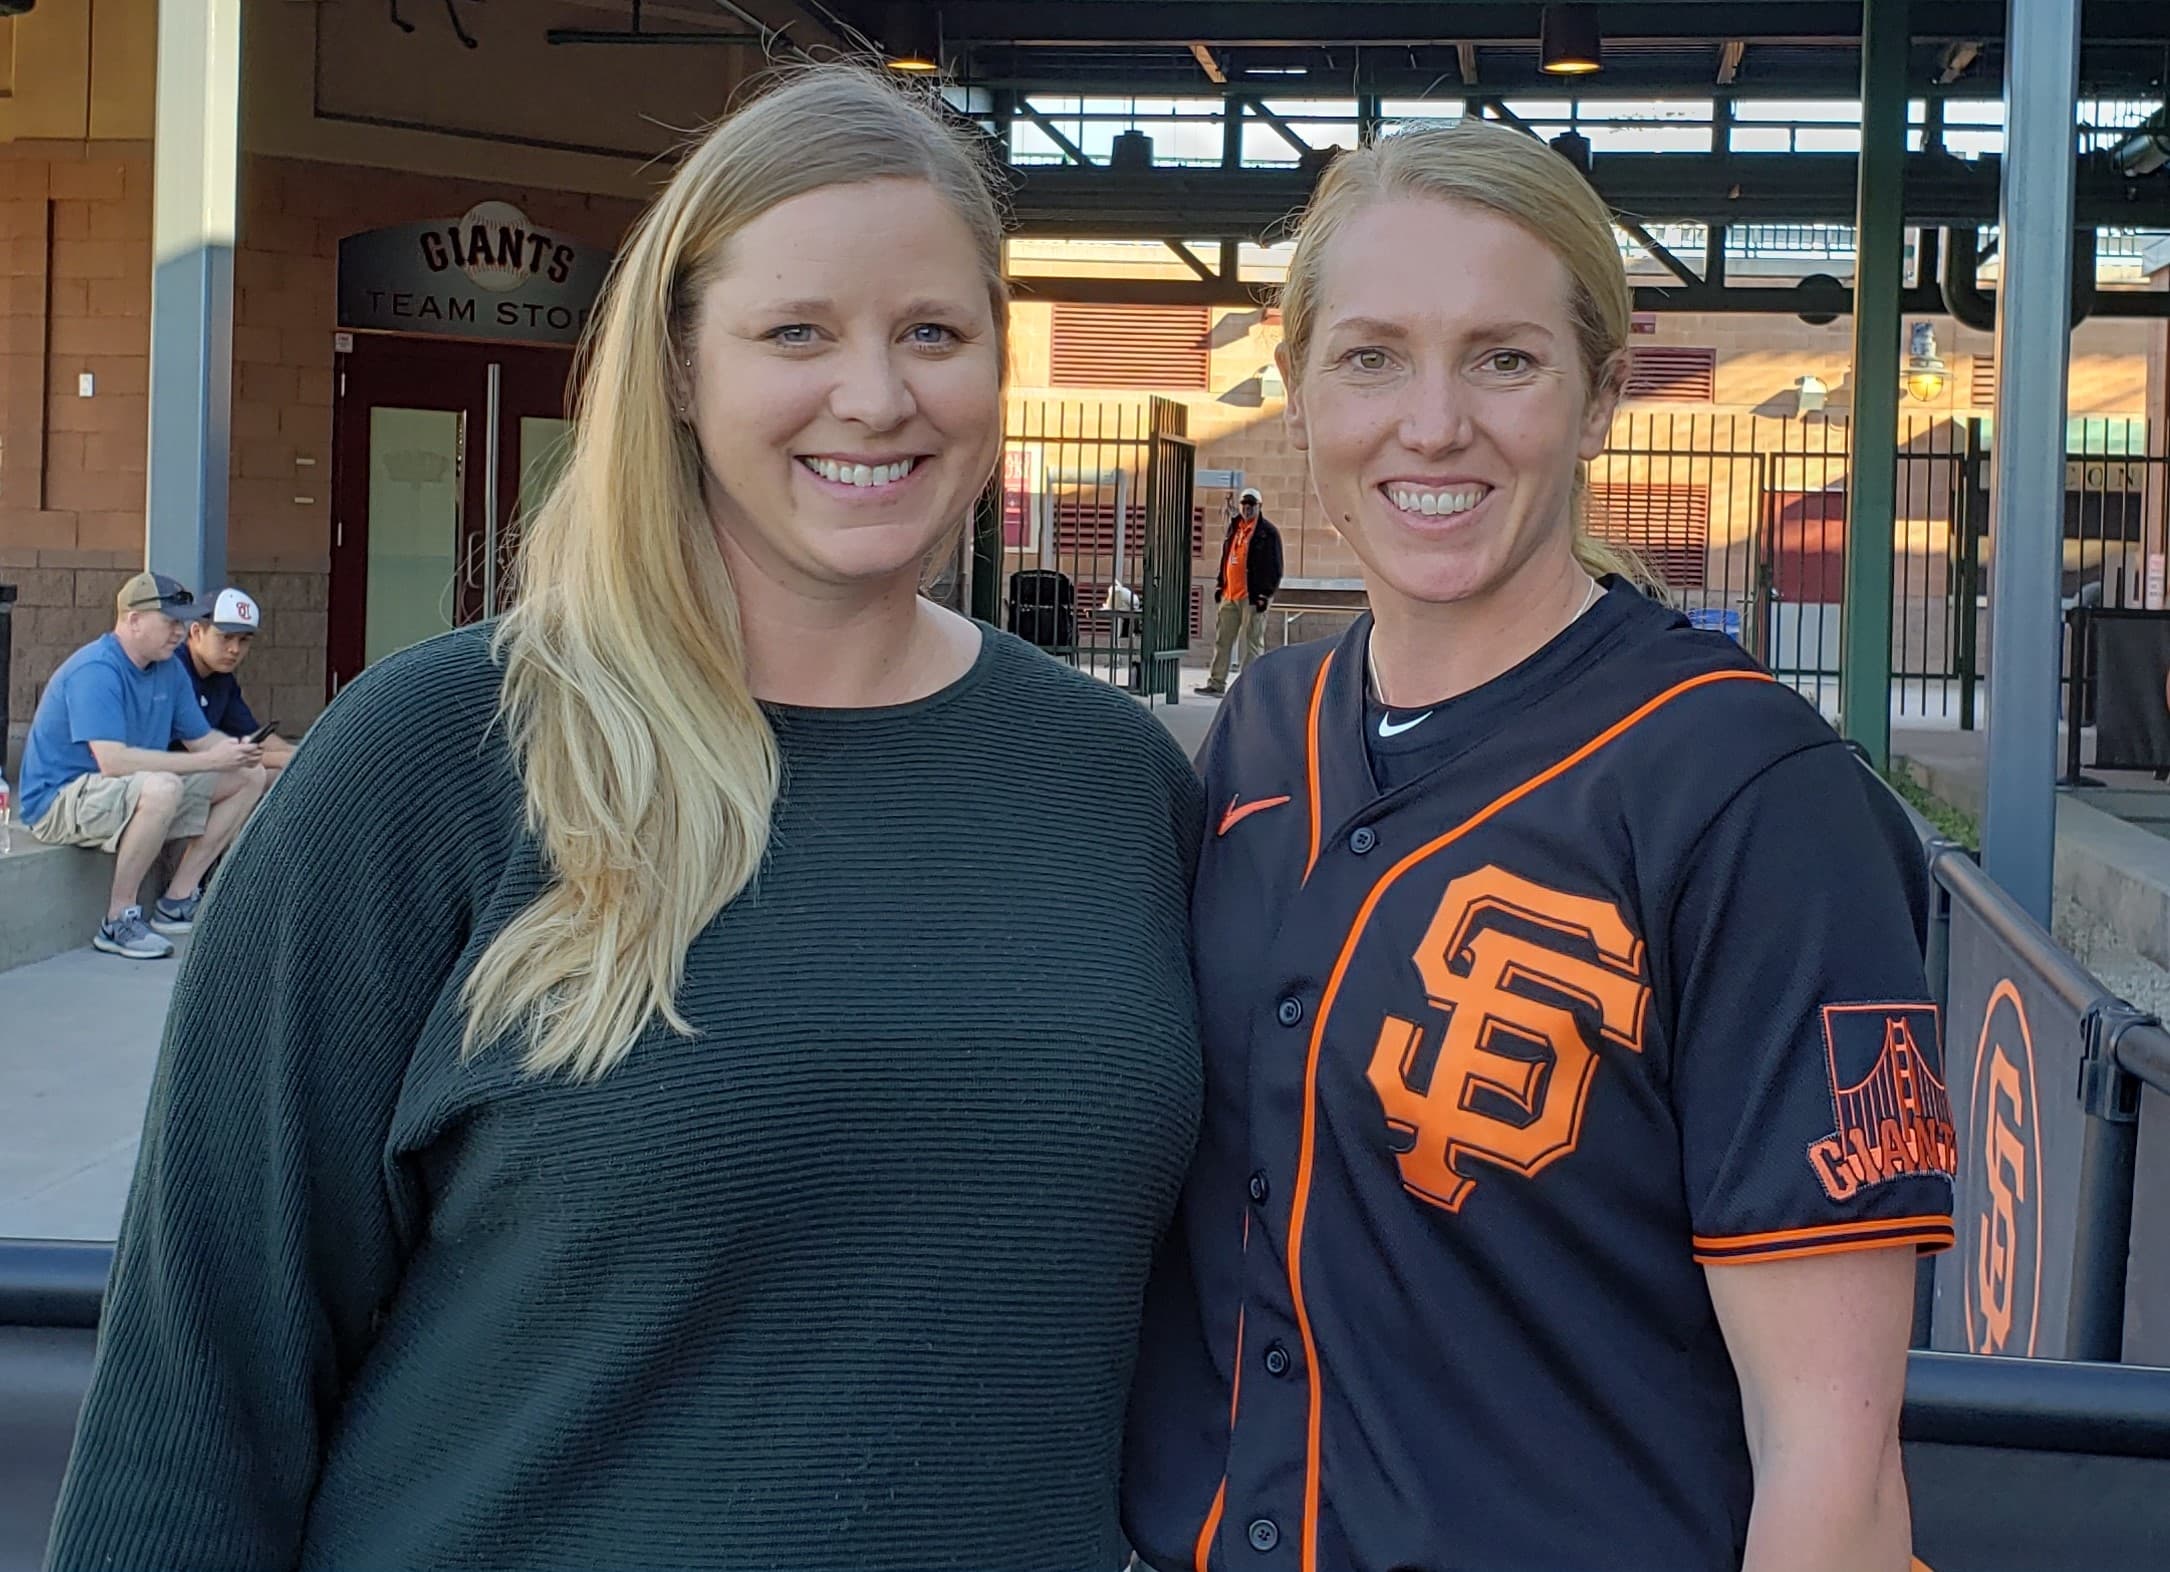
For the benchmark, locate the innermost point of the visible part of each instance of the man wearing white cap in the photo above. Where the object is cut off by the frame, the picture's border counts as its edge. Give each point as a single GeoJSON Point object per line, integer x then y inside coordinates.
{"type": "Point", "coordinates": [217, 645]}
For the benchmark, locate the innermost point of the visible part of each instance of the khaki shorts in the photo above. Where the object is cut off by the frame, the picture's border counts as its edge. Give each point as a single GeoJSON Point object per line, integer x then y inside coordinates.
{"type": "Point", "coordinates": [94, 810]}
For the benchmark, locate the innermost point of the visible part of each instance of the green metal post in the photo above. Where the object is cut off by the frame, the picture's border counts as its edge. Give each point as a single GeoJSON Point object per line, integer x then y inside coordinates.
{"type": "Point", "coordinates": [987, 555]}
{"type": "Point", "coordinates": [1864, 684]}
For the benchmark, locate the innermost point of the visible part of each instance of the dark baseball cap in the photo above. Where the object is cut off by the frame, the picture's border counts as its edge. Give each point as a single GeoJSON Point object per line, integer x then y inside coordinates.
{"type": "Point", "coordinates": [156, 592]}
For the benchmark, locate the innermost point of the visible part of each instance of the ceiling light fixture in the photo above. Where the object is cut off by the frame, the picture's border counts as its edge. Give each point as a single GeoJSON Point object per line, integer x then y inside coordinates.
{"type": "Point", "coordinates": [908, 39]}
{"type": "Point", "coordinates": [1568, 42]}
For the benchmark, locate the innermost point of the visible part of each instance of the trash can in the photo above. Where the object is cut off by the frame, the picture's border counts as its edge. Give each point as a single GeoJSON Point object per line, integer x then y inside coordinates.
{"type": "Point", "coordinates": [1043, 608]}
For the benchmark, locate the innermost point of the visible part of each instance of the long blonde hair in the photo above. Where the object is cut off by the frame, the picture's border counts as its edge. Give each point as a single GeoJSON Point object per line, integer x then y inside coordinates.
{"type": "Point", "coordinates": [1514, 175]}
{"type": "Point", "coordinates": [649, 770]}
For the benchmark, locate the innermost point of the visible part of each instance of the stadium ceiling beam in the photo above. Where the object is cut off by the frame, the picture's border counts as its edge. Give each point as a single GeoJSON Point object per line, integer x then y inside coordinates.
{"type": "Point", "coordinates": [1208, 64]}
{"type": "Point", "coordinates": [1820, 299]}
{"type": "Point", "coordinates": [1955, 61]}
{"type": "Point", "coordinates": [1096, 203]}
{"type": "Point", "coordinates": [2130, 71]}
{"type": "Point", "coordinates": [1193, 261]}
{"type": "Point", "coordinates": [786, 27]}
{"type": "Point", "coordinates": [1288, 133]}
{"type": "Point", "coordinates": [1254, 24]}
{"type": "Point", "coordinates": [1465, 54]}
{"type": "Point", "coordinates": [1055, 134]}
{"type": "Point", "coordinates": [1661, 252]}
{"type": "Point", "coordinates": [1729, 60]}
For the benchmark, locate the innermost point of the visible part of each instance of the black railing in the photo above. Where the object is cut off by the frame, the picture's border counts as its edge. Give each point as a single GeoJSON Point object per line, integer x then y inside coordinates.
{"type": "Point", "coordinates": [2116, 1049]}
{"type": "Point", "coordinates": [53, 1282]}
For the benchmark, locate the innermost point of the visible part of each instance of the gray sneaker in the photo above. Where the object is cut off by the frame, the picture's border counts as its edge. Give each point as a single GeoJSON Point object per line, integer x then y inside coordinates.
{"type": "Point", "coordinates": [173, 917]}
{"type": "Point", "coordinates": [129, 936]}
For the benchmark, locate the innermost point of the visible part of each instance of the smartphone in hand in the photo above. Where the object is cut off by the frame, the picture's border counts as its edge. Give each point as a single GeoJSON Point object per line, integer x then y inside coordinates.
{"type": "Point", "coordinates": [262, 732]}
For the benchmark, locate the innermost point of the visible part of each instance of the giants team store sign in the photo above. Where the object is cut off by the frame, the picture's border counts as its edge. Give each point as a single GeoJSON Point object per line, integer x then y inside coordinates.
{"type": "Point", "coordinates": [489, 274]}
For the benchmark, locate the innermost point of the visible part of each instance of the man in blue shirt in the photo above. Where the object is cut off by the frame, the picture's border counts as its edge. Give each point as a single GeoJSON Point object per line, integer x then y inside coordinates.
{"type": "Point", "coordinates": [216, 647]}
{"type": "Point", "coordinates": [96, 772]}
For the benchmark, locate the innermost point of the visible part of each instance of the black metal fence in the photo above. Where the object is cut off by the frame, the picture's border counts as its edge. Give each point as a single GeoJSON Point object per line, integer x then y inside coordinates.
{"type": "Point", "coordinates": [1745, 516]}
{"type": "Point", "coordinates": [1090, 535]}
{"type": "Point", "coordinates": [2057, 1087]}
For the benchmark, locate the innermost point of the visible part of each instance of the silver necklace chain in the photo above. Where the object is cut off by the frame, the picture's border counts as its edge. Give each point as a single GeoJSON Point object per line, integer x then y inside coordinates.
{"type": "Point", "coordinates": [1371, 659]}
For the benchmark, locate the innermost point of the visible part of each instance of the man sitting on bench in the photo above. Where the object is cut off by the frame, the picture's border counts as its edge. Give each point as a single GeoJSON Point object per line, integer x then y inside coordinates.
{"type": "Point", "coordinates": [96, 773]}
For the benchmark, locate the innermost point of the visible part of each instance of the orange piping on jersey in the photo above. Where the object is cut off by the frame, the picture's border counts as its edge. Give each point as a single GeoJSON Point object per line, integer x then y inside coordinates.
{"type": "Point", "coordinates": [1311, 757]}
{"type": "Point", "coordinates": [1875, 1234]}
{"type": "Point", "coordinates": [1204, 1551]}
{"type": "Point", "coordinates": [1301, 1205]}
{"type": "Point", "coordinates": [1931, 1240]}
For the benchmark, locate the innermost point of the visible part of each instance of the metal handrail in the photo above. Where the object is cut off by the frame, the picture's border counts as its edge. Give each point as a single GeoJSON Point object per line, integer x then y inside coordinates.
{"type": "Point", "coordinates": [2040, 1405]}
{"type": "Point", "coordinates": [2043, 1405]}
{"type": "Point", "coordinates": [1960, 874]}
{"type": "Point", "coordinates": [53, 1282]}
{"type": "Point", "coordinates": [2144, 1054]}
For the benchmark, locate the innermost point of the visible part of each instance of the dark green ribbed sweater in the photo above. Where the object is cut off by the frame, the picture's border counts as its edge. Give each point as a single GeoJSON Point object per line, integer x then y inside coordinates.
{"type": "Point", "coordinates": [849, 1282]}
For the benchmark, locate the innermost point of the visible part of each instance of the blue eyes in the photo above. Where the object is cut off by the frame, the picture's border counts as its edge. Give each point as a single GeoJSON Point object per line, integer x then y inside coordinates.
{"type": "Point", "coordinates": [804, 335]}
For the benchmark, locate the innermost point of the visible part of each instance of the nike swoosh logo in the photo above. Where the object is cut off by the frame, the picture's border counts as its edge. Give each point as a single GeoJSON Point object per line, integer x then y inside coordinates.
{"type": "Point", "coordinates": [1387, 728]}
{"type": "Point", "coordinates": [1236, 815]}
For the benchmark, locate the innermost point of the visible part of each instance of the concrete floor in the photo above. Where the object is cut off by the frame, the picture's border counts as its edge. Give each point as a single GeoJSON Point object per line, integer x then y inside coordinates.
{"type": "Point", "coordinates": [78, 1041]}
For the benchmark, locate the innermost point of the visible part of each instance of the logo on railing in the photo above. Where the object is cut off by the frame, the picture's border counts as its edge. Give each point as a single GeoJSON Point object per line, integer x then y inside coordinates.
{"type": "Point", "coordinates": [2003, 1237]}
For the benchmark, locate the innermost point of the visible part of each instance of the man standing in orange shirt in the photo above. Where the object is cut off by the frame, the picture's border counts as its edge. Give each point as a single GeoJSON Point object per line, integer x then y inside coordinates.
{"type": "Point", "coordinates": [1250, 577]}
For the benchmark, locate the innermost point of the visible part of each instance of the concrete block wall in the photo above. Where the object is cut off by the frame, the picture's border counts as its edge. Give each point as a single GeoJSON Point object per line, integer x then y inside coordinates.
{"type": "Point", "coordinates": [75, 289]}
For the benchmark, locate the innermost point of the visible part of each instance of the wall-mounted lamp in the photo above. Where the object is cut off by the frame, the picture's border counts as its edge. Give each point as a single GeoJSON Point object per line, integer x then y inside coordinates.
{"type": "Point", "coordinates": [1568, 42]}
{"type": "Point", "coordinates": [908, 41]}
{"type": "Point", "coordinates": [1811, 395]}
{"type": "Point", "coordinates": [1926, 374]}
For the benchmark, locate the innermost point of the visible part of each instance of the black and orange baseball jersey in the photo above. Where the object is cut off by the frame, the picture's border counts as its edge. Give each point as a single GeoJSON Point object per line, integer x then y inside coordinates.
{"type": "Point", "coordinates": [1626, 984]}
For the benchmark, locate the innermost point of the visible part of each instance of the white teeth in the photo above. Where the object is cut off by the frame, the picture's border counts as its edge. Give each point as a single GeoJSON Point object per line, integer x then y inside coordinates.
{"type": "Point", "coordinates": [1437, 503]}
{"type": "Point", "coordinates": [861, 474]}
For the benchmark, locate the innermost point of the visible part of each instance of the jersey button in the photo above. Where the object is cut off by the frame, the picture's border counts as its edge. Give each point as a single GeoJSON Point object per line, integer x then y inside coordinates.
{"type": "Point", "coordinates": [1363, 840]}
{"type": "Point", "coordinates": [1276, 1360]}
{"type": "Point", "coordinates": [1259, 1189]}
{"type": "Point", "coordinates": [1290, 1011]}
{"type": "Point", "coordinates": [1264, 1534]}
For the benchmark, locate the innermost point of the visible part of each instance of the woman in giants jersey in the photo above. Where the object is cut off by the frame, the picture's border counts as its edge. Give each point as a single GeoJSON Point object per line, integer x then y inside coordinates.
{"type": "Point", "coordinates": [1574, 1109]}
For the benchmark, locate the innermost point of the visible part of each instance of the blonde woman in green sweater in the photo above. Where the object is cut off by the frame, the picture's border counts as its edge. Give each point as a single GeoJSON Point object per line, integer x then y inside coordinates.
{"type": "Point", "coordinates": [645, 1094]}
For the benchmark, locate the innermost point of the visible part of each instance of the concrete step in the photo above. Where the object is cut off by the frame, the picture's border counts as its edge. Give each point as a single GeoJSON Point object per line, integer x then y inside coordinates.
{"type": "Point", "coordinates": [52, 898]}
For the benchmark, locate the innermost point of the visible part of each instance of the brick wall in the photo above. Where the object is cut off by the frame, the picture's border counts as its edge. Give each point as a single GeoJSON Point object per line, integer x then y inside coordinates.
{"type": "Point", "coordinates": [75, 298]}
{"type": "Point", "coordinates": [75, 262]}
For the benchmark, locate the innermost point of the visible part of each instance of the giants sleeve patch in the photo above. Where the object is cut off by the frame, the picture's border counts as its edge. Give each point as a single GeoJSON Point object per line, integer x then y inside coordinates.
{"type": "Point", "coordinates": [1891, 1116]}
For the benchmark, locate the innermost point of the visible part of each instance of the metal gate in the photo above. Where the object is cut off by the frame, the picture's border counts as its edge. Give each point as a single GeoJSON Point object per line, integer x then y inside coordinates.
{"type": "Point", "coordinates": [1089, 536]}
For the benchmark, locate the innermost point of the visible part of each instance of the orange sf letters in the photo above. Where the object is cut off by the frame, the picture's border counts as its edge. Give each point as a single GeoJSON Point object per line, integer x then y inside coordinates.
{"type": "Point", "coordinates": [2006, 1166]}
{"type": "Point", "coordinates": [1493, 983]}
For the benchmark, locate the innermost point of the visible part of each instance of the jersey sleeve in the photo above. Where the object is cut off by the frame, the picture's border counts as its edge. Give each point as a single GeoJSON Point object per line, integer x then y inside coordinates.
{"type": "Point", "coordinates": [1808, 1076]}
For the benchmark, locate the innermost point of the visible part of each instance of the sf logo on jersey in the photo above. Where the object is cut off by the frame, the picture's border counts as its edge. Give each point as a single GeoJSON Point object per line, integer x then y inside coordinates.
{"type": "Point", "coordinates": [1515, 969]}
